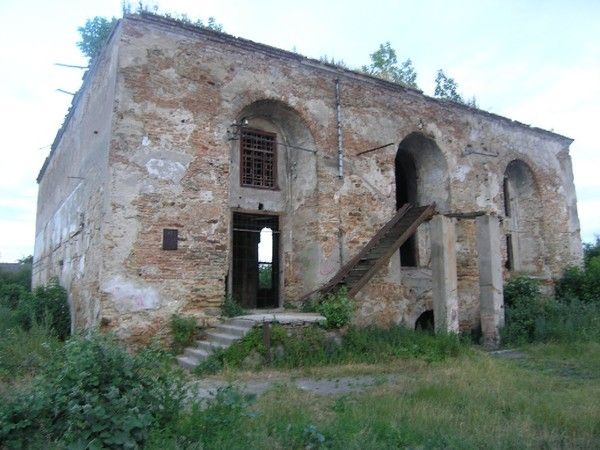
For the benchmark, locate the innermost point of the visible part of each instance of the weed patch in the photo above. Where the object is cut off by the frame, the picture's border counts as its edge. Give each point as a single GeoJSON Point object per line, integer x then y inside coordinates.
{"type": "Point", "coordinates": [24, 353]}
{"type": "Point", "coordinates": [231, 308]}
{"type": "Point", "coordinates": [471, 401]}
{"type": "Point", "coordinates": [183, 331]}
{"type": "Point", "coordinates": [582, 284]}
{"type": "Point", "coordinates": [531, 317]}
{"type": "Point", "coordinates": [47, 304]}
{"type": "Point", "coordinates": [215, 425]}
{"type": "Point", "coordinates": [313, 346]}
{"type": "Point", "coordinates": [94, 393]}
{"type": "Point", "coordinates": [336, 308]}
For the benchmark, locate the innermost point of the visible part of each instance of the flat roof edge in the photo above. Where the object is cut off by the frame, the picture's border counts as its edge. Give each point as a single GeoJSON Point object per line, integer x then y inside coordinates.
{"type": "Point", "coordinates": [240, 42]}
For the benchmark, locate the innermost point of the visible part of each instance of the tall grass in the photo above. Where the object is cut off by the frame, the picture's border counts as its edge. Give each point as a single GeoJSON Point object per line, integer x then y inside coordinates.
{"type": "Point", "coordinates": [312, 346]}
{"type": "Point", "coordinates": [532, 317]}
{"type": "Point", "coordinates": [468, 402]}
{"type": "Point", "coordinates": [23, 352]}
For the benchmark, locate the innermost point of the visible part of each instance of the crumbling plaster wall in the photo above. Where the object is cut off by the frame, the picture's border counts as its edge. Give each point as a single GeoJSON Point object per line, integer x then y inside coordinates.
{"type": "Point", "coordinates": [72, 197]}
{"type": "Point", "coordinates": [171, 166]}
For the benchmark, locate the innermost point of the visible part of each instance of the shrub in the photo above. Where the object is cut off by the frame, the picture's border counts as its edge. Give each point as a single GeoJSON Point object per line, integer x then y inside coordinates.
{"type": "Point", "coordinates": [231, 308]}
{"type": "Point", "coordinates": [21, 277]}
{"type": "Point", "coordinates": [582, 283]}
{"type": "Point", "coordinates": [184, 331]}
{"type": "Point", "coordinates": [47, 304]}
{"type": "Point", "coordinates": [50, 303]}
{"type": "Point", "coordinates": [520, 289]}
{"type": "Point", "coordinates": [524, 309]}
{"type": "Point", "coordinates": [337, 309]}
{"type": "Point", "coordinates": [530, 317]}
{"type": "Point", "coordinates": [95, 395]}
{"type": "Point", "coordinates": [8, 319]}
{"type": "Point", "coordinates": [12, 294]}
{"type": "Point", "coordinates": [571, 284]}
{"type": "Point", "coordinates": [591, 250]}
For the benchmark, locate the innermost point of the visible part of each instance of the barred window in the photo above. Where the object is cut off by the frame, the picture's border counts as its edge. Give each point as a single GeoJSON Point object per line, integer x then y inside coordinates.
{"type": "Point", "coordinates": [258, 159]}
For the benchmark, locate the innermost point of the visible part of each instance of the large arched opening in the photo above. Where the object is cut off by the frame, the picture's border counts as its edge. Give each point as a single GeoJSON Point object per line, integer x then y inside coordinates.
{"type": "Point", "coordinates": [524, 219]}
{"type": "Point", "coordinates": [273, 167]}
{"type": "Point", "coordinates": [421, 178]}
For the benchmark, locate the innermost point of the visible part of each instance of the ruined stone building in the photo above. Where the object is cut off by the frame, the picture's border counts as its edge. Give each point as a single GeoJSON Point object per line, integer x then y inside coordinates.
{"type": "Point", "coordinates": [187, 149]}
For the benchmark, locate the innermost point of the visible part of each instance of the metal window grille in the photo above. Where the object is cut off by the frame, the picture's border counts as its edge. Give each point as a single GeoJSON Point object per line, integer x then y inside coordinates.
{"type": "Point", "coordinates": [258, 159]}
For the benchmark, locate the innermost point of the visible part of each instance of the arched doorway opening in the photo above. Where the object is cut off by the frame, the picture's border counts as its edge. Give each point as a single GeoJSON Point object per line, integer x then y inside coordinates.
{"type": "Point", "coordinates": [256, 260]}
{"type": "Point", "coordinates": [524, 219]}
{"type": "Point", "coordinates": [421, 175]}
{"type": "Point", "coordinates": [406, 192]}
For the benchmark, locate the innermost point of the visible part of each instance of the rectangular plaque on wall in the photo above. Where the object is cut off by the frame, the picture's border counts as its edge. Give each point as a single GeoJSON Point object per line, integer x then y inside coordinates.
{"type": "Point", "coordinates": [169, 239]}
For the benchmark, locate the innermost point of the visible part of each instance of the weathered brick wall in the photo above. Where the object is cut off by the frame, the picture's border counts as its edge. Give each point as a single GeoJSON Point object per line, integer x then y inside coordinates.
{"type": "Point", "coordinates": [173, 166]}
{"type": "Point", "coordinates": [72, 197]}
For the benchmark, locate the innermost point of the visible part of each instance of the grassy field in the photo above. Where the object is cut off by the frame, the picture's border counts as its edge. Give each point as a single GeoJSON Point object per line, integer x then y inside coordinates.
{"type": "Point", "coordinates": [549, 398]}
{"type": "Point", "coordinates": [441, 395]}
{"type": "Point", "coordinates": [430, 391]}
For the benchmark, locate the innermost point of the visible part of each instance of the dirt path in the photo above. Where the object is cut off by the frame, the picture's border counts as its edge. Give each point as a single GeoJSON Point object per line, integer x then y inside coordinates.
{"type": "Point", "coordinates": [319, 386]}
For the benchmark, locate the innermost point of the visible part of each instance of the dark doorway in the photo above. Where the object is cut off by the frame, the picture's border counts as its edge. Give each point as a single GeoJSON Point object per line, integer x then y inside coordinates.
{"type": "Point", "coordinates": [406, 192]}
{"type": "Point", "coordinates": [255, 281]}
{"type": "Point", "coordinates": [425, 321]}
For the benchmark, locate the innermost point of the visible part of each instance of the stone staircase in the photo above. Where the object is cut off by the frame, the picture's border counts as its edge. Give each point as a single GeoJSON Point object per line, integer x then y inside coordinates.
{"type": "Point", "coordinates": [216, 338]}
{"type": "Point", "coordinates": [228, 331]}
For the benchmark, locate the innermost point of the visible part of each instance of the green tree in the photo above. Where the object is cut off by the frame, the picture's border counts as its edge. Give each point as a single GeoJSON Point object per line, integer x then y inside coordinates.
{"type": "Point", "coordinates": [94, 35]}
{"type": "Point", "coordinates": [591, 250]}
{"type": "Point", "coordinates": [384, 64]}
{"type": "Point", "coordinates": [96, 31]}
{"type": "Point", "coordinates": [21, 277]}
{"type": "Point", "coordinates": [447, 89]}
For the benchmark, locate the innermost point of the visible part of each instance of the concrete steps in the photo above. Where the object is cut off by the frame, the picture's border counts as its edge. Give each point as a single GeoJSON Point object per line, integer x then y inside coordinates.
{"type": "Point", "coordinates": [218, 338]}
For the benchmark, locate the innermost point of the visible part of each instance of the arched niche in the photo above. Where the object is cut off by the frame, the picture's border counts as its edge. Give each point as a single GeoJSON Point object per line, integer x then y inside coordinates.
{"type": "Point", "coordinates": [421, 175]}
{"type": "Point", "coordinates": [296, 167]}
{"type": "Point", "coordinates": [523, 210]}
{"type": "Point", "coordinates": [296, 180]}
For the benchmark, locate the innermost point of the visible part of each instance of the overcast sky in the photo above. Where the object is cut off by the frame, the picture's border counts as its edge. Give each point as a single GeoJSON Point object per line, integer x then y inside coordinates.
{"type": "Point", "coordinates": [531, 60]}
